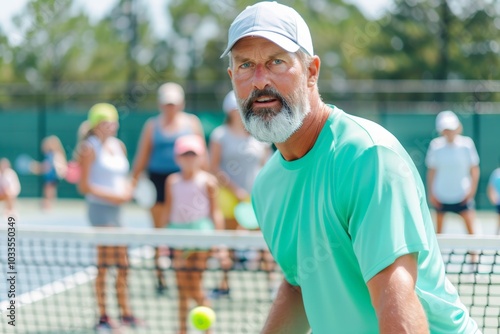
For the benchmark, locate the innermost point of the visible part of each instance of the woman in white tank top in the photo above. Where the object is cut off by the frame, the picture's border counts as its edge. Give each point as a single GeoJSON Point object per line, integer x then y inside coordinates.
{"type": "Point", "coordinates": [104, 182]}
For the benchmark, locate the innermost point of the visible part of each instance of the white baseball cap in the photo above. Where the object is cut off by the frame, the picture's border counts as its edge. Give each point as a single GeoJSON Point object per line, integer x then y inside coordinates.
{"type": "Point", "coordinates": [170, 93]}
{"type": "Point", "coordinates": [278, 23]}
{"type": "Point", "coordinates": [229, 103]}
{"type": "Point", "coordinates": [447, 120]}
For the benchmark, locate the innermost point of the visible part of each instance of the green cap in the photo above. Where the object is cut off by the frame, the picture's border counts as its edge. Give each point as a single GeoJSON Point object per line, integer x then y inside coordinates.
{"type": "Point", "coordinates": [102, 112]}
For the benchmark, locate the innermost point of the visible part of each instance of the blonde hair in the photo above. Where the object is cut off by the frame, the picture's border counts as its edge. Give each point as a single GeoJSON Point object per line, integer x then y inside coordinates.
{"type": "Point", "coordinates": [53, 143]}
{"type": "Point", "coordinates": [84, 132]}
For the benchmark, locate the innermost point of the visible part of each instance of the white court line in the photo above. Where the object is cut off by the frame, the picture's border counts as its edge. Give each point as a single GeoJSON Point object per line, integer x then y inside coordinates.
{"type": "Point", "coordinates": [53, 288]}
{"type": "Point", "coordinates": [71, 281]}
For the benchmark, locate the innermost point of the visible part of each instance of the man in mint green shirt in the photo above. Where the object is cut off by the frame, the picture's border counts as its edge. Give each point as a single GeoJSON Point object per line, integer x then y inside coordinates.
{"type": "Point", "coordinates": [341, 205]}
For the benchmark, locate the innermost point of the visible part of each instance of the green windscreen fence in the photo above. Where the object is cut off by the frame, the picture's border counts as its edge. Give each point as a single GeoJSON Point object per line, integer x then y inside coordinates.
{"type": "Point", "coordinates": [22, 130]}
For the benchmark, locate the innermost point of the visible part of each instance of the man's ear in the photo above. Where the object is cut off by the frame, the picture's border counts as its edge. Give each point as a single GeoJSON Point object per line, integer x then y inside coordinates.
{"type": "Point", "coordinates": [313, 71]}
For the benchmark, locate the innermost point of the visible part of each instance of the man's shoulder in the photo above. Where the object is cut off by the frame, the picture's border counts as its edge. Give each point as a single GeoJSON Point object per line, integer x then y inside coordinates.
{"type": "Point", "coordinates": [357, 134]}
{"type": "Point", "coordinates": [437, 143]}
{"type": "Point", "coordinates": [465, 141]}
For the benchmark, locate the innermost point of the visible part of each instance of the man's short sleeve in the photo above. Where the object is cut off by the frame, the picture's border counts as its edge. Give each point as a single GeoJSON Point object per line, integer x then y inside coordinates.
{"type": "Point", "coordinates": [383, 205]}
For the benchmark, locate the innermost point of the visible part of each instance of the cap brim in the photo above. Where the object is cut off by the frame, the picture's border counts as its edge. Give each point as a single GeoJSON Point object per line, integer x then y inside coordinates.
{"type": "Point", "coordinates": [448, 126]}
{"type": "Point", "coordinates": [278, 39]}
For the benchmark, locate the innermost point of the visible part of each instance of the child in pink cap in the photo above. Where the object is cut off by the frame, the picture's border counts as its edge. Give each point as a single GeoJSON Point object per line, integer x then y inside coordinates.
{"type": "Point", "coordinates": [191, 204]}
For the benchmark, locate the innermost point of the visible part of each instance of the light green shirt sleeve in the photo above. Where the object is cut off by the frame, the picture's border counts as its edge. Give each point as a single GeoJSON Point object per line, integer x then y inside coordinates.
{"type": "Point", "coordinates": [382, 205]}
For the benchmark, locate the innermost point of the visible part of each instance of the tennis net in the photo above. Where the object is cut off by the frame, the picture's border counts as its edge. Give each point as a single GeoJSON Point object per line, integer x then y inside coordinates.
{"type": "Point", "coordinates": [55, 274]}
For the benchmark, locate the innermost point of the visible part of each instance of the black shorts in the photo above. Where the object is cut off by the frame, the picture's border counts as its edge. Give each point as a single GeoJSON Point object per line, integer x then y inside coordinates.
{"type": "Point", "coordinates": [456, 207]}
{"type": "Point", "coordinates": [158, 180]}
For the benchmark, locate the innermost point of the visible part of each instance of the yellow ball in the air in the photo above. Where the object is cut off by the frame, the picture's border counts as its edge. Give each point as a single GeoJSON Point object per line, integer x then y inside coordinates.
{"type": "Point", "coordinates": [202, 317]}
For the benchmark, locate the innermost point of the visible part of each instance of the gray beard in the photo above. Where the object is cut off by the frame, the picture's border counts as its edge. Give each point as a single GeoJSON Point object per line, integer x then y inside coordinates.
{"type": "Point", "coordinates": [270, 126]}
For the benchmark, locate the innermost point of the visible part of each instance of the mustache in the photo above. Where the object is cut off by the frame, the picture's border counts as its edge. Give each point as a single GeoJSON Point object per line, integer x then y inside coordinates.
{"type": "Point", "coordinates": [268, 91]}
{"type": "Point", "coordinates": [258, 93]}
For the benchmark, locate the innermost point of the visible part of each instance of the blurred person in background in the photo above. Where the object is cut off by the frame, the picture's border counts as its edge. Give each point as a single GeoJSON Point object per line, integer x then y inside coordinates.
{"type": "Point", "coordinates": [10, 187]}
{"type": "Point", "coordinates": [453, 171]}
{"type": "Point", "coordinates": [53, 168]}
{"type": "Point", "coordinates": [235, 158]}
{"type": "Point", "coordinates": [494, 192]}
{"type": "Point", "coordinates": [104, 182]}
{"type": "Point", "coordinates": [191, 204]}
{"type": "Point", "coordinates": [155, 153]}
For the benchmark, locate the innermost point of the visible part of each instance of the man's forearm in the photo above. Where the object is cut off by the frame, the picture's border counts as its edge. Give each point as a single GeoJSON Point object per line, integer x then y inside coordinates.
{"type": "Point", "coordinates": [287, 314]}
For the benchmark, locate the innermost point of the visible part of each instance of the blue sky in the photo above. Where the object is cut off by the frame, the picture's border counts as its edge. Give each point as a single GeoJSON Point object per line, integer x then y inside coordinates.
{"type": "Point", "coordinates": [99, 8]}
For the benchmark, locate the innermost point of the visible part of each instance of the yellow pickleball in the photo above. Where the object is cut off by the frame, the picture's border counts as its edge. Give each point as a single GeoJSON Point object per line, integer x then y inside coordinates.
{"type": "Point", "coordinates": [202, 317]}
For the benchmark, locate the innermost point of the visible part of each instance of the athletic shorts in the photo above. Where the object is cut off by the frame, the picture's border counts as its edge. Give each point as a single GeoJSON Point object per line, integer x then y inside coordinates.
{"type": "Point", "coordinates": [456, 207]}
{"type": "Point", "coordinates": [51, 178]}
{"type": "Point", "coordinates": [158, 180]}
{"type": "Point", "coordinates": [103, 215]}
{"type": "Point", "coordinates": [204, 224]}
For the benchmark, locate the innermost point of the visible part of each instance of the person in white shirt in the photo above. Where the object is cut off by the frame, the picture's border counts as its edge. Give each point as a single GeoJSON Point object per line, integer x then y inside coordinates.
{"type": "Point", "coordinates": [453, 171]}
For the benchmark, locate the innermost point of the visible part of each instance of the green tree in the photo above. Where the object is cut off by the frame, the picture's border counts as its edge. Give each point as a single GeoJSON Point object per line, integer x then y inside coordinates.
{"type": "Point", "coordinates": [206, 32]}
{"type": "Point", "coordinates": [438, 40]}
{"type": "Point", "coordinates": [6, 58]}
{"type": "Point", "coordinates": [49, 43]}
{"type": "Point", "coordinates": [68, 58]}
{"type": "Point", "coordinates": [475, 50]}
{"type": "Point", "coordinates": [197, 41]}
